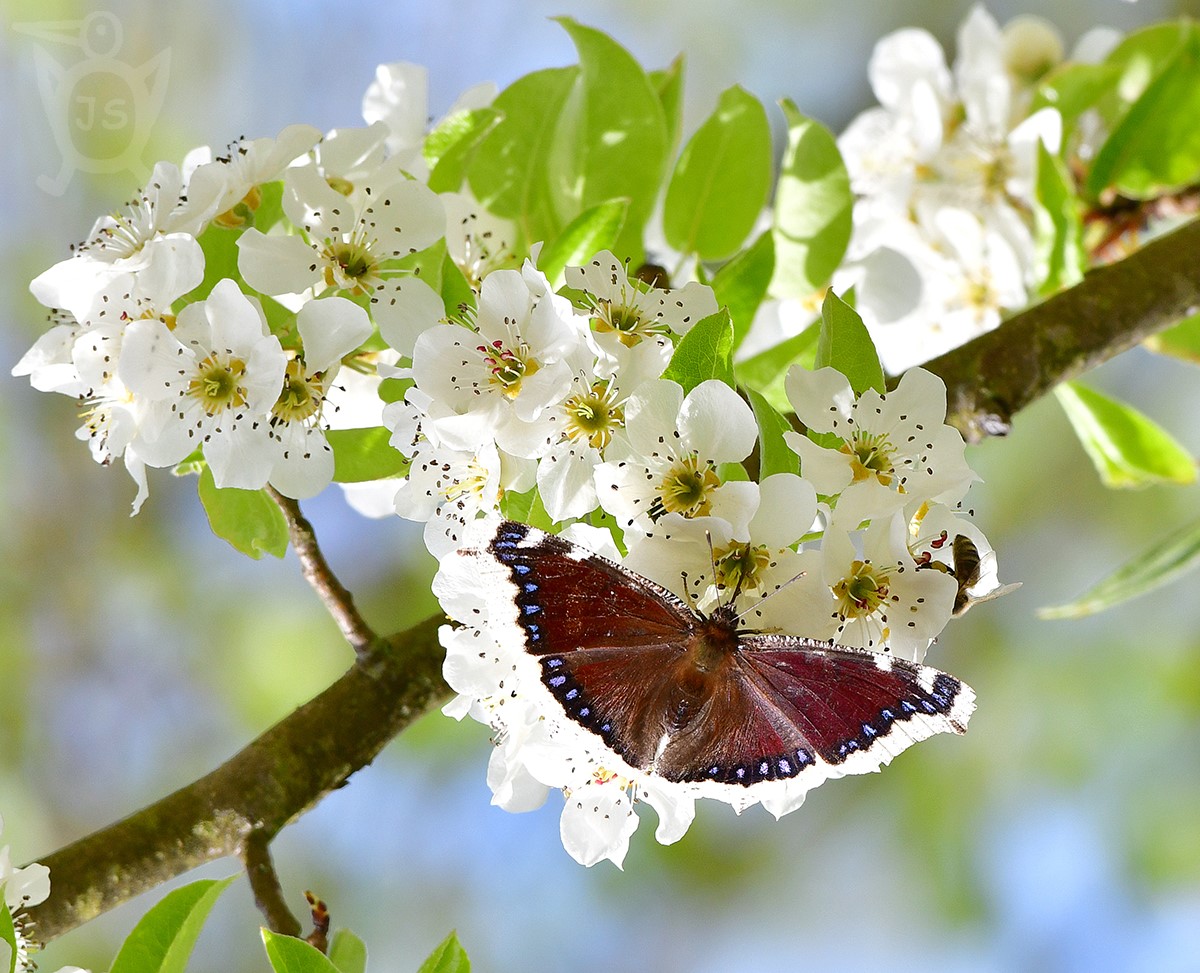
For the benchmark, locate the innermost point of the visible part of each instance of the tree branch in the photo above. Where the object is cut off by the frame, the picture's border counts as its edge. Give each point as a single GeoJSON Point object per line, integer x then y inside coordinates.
{"type": "Point", "coordinates": [264, 883]}
{"type": "Point", "coordinates": [1114, 308]}
{"type": "Point", "coordinates": [274, 780]}
{"type": "Point", "coordinates": [324, 582]}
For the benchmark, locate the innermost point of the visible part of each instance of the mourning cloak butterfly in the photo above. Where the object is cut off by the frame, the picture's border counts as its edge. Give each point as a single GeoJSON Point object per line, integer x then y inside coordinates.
{"type": "Point", "coordinates": [693, 698]}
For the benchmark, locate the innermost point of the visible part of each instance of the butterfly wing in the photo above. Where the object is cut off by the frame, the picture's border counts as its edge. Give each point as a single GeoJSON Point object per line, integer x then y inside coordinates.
{"type": "Point", "coordinates": [603, 636]}
{"type": "Point", "coordinates": [790, 707]}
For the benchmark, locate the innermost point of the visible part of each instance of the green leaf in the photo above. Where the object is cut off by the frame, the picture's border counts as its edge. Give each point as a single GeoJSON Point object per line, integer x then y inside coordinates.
{"type": "Point", "coordinates": [364, 454]}
{"type": "Point", "coordinates": [448, 957]}
{"type": "Point", "coordinates": [1060, 255]}
{"type": "Point", "coordinates": [1072, 89]}
{"type": "Point", "coordinates": [741, 285]}
{"type": "Point", "coordinates": [845, 345]}
{"type": "Point", "coordinates": [508, 172]}
{"type": "Point", "coordinates": [220, 249]}
{"type": "Point", "coordinates": [347, 952]}
{"type": "Point", "coordinates": [8, 934]}
{"type": "Point", "coordinates": [1155, 148]}
{"type": "Point", "coordinates": [449, 147]}
{"type": "Point", "coordinates": [775, 456]}
{"type": "Point", "coordinates": [611, 137]}
{"type": "Point", "coordinates": [704, 352]}
{"type": "Point", "coordinates": [1180, 341]}
{"type": "Point", "coordinates": [766, 371]}
{"type": "Point", "coordinates": [721, 181]}
{"type": "Point", "coordinates": [1127, 449]}
{"type": "Point", "coordinates": [812, 208]}
{"type": "Point", "coordinates": [162, 940]}
{"type": "Point", "coordinates": [526, 508]}
{"type": "Point", "coordinates": [247, 519]}
{"type": "Point", "coordinates": [668, 83]}
{"type": "Point", "coordinates": [291, 955]}
{"type": "Point", "coordinates": [1157, 566]}
{"type": "Point", "coordinates": [593, 230]}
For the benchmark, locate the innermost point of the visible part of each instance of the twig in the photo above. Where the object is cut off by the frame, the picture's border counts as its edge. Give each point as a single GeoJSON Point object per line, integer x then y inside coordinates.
{"type": "Point", "coordinates": [274, 780]}
{"type": "Point", "coordinates": [264, 883]}
{"type": "Point", "coordinates": [324, 582]}
{"type": "Point", "coordinates": [1114, 308]}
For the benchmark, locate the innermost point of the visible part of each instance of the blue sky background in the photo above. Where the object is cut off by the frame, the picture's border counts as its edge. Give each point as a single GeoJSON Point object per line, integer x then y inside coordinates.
{"type": "Point", "coordinates": [1062, 834]}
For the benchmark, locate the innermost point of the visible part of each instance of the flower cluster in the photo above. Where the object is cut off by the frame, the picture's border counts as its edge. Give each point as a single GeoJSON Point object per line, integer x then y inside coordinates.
{"type": "Point", "coordinates": [245, 306]}
{"type": "Point", "coordinates": [944, 170]}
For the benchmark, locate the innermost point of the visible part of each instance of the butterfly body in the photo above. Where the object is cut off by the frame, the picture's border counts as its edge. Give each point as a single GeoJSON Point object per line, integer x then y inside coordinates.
{"type": "Point", "coordinates": [691, 697]}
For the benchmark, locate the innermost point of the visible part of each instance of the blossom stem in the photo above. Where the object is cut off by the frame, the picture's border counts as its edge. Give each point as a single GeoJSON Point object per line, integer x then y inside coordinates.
{"type": "Point", "coordinates": [275, 779]}
{"type": "Point", "coordinates": [1115, 307]}
{"type": "Point", "coordinates": [264, 883]}
{"type": "Point", "coordinates": [320, 576]}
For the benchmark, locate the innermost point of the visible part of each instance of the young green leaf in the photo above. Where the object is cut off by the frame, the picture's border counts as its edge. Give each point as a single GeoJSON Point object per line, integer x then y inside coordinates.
{"type": "Point", "coordinates": [248, 519]}
{"type": "Point", "coordinates": [721, 181]}
{"type": "Point", "coordinates": [741, 285]}
{"type": "Point", "coordinates": [1157, 566]}
{"type": "Point", "coordinates": [1127, 449]}
{"type": "Point", "coordinates": [1060, 256]}
{"type": "Point", "coordinates": [593, 230]}
{"type": "Point", "coordinates": [1155, 148]}
{"type": "Point", "coordinates": [845, 345]}
{"type": "Point", "coordinates": [1179, 341]}
{"type": "Point", "coordinates": [162, 940]}
{"type": "Point", "coordinates": [705, 352]}
{"type": "Point", "coordinates": [766, 371]}
{"type": "Point", "coordinates": [364, 454]}
{"type": "Point", "coordinates": [1073, 88]}
{"type": "Point", "coordinates": [347, 952]}
{"type": "Point", "coordinates": [668, 82]}
{"type": "Point", "coordinates": [774, 454]}
{"type": "Point", "coordinates": [611, 137]}
{"type": "Point", "coordinates": [508, 171]}
{"type": "Point", "coordinates": [449, 147]}
{"type": "Point", "coordinates": [812, 208]}
{"type": "Point", "coordinates": [447, 957]}
{"type": "Point", "coordinates": [291, 955]}
{"type": "Point", "coordinates": [527, 508]}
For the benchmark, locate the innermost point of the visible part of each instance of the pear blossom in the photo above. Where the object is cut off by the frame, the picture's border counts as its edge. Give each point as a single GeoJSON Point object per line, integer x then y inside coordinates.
{"type": "Point", "coordinates": [302, 457]}
{"type": "Point", "coordinates": [499, 379]}
{"type": "Point", "coordinates": [894, 448]}
{"type": "Point", "coordinates": [716, 568]}
{"type": "Point", "coordinates": [669, 482]}
{"type": "Point", "coordinates": [867, 591]}
{"type": "Point", "coordinates": [211, 383]}
{"type": "Point", "coordinates": [632, 312]}
{"type": "Point", "coordinates": [227, 188]}
{"type": "Point", "coordinates": [351, 246]}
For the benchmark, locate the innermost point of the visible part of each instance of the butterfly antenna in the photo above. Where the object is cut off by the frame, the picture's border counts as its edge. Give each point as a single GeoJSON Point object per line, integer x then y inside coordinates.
{"type": "Point", "coordinates": [771, 594]}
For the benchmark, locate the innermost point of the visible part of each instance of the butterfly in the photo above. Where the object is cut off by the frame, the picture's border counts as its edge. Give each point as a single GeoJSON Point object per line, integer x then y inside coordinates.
{"type": "Point", "coordinates": [694, 697]}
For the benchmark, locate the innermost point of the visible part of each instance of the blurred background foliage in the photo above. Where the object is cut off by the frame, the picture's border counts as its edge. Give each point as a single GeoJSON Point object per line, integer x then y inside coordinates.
{"type": "Point", "coordinates": [1062, 834]}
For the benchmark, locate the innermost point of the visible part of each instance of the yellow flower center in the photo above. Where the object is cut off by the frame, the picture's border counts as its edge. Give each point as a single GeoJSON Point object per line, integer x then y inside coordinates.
{"type": "Point", "coordinates": [217, 385]}
{"type": "Point", "coordinates": [739, 567]}
{"type": "Point", "coordinates": [508, 367]}
{"type": "Point", "coordinates": [861, 592]}
{"type": "Point", "coordinates": [593, 416]}
{"type": "Point", "coordinates": [626, 320]}
{"type": "Point", "coordinates": [301, 396]}
{"type": "Point", "coordinates": [871, 456]}
{"type": "Point", "coordinates": [353, 261]}
{"type": "Point", "coordinates": [685, 489]}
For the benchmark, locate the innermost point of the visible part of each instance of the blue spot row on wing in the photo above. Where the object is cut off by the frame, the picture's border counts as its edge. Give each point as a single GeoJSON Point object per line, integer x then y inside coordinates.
{"type": "Point", "coordinates": [938, 700]}
{"type": "Point", "coordinates": [761, 769]}
{"type": "Point", "coordinates": [574, 700]}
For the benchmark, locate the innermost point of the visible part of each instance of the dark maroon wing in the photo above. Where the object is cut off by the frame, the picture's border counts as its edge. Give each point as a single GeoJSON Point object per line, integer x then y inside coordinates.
{"type": "Point", "coordinates": [605, 637]}
{"type": "Point", "coordinates": [788, 704]}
